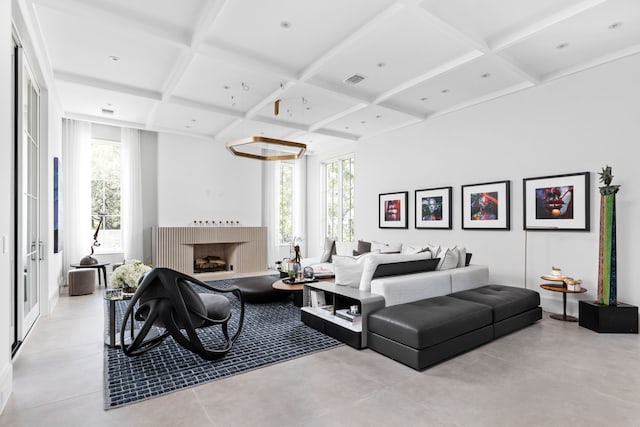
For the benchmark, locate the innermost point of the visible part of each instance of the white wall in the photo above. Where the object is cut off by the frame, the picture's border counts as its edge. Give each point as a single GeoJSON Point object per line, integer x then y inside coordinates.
{"type": "Point", "coordinates": [198, 179]}
{"type": "Point", "coordinates": [5, 200]}
{"type": "Point", "coordinates": [579, 123]}
{"type": "Point", "coordinates": [149, 160]}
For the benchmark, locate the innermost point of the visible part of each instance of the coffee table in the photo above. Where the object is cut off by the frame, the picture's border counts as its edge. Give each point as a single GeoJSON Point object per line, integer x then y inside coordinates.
{"type": "Point", "coordinates": [296, 289]}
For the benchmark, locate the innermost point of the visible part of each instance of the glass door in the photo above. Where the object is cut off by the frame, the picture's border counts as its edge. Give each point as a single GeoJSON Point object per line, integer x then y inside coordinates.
{"type": "Point", "coordinates": [28, 244]}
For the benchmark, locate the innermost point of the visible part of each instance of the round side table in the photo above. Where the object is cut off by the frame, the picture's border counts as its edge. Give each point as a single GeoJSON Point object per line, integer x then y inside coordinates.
{"type": "Point", "coordinates": [561, 288]}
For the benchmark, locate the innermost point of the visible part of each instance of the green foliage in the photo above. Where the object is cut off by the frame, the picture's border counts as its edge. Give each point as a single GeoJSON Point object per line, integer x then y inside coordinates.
{"type": "Point", "coordinates": [340, 198]}
{"type": "Point", "coordinates": [105, 184]}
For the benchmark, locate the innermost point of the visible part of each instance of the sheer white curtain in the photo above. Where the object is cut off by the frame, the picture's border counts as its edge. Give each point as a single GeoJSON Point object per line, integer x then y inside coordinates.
{"type": "Point", "coordinates": [131, 195]}
{"type": "Point", "coordinates": [76, 197]}
{"type": "Point", "coordinates": [300, 202]}
{"type": "Point", "coordinates": [269, 206]}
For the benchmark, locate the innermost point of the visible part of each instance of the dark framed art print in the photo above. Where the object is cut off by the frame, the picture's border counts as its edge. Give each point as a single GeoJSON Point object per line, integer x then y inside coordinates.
{"type": "Point", "coordinates": [433, 208]}
{"type": "Point", "coordinates": [558, 202]}
{"type": "Point", "coordinates": [486, 206]}
{"type": "Point", "coordinates": [392, 210]}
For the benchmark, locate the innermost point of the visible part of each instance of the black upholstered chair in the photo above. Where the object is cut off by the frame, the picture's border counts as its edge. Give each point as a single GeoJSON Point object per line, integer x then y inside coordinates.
{"type": "Point", "coordinates": [167, 305]}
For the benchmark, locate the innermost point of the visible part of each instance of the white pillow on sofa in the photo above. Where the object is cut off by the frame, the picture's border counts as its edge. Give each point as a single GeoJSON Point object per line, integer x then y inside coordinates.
{"type": "Point", "coordinates": [346, 248]}
{"type": "Point", "coordinates": [348, 269]}
{"type": "Point", "coordinates": [386, 248]}
{"type": "Point", "coordinates": [375, 259]}
{"type": "Point", "coordinates": [410, 249]}
{"type": "Point", "coordinates": [462, 257]}
{"type": "Point", "coordinates": [448, 259]}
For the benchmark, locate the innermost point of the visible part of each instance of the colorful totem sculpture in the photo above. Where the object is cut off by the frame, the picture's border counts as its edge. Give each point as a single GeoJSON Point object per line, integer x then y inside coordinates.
{"type": "Point", "coordinates": [607, 275]}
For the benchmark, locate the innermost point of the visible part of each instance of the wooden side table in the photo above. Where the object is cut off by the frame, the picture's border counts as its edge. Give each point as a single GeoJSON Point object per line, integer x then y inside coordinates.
{"type": "Point", "coordinates": [562, 288]}
{"type": "Point", "coordinates": [295, 288]}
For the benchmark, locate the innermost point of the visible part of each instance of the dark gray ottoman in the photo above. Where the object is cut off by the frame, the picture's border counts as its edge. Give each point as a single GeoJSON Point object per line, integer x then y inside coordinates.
{"type": "Point", "coordinates": [423, 333]}
{"type": "Point", "coordinates": [513, 308]}
{"type": "Point", "coordinates": [259, 289]}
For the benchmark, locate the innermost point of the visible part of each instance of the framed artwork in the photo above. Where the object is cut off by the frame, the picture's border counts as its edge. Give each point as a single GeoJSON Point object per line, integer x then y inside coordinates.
{"type": "Point", "coordinates": [433, 208]}
{"type": "Point", "coordinates": [559, 202]}
{"type": "Point", "coordinates": [57, 206]}
{"type": "Point", "coordinates": [392, 210]}
{"type": "Point", "coordinates": [486, 206]}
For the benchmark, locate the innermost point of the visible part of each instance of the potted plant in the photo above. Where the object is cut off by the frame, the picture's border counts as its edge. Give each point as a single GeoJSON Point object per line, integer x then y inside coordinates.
{"type": "Point", "coordinates": [128, 274]}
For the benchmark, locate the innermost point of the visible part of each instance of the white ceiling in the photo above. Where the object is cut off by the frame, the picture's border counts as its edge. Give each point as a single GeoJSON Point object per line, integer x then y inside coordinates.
{"type": "Point", "coordinates": [215, 68]}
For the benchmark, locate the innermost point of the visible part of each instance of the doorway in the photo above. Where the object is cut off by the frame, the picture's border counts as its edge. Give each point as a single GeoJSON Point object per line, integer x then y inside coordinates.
{"type": "Point", "coordinates": [26, 242]}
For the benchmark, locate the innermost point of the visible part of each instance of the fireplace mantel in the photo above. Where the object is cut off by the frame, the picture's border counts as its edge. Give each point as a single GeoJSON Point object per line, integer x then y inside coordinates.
{"type": "Point", "coordinates": [173, 247]}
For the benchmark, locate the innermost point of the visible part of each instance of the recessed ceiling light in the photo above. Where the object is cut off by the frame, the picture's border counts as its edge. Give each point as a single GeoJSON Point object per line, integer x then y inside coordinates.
{"type": "Point", "coordinates": [225, 87]}
{"type": "Point", "coordinates": [424, 98]}
{"type": "Point", "coordinates": [363, 122]}
{"type": "Point", "coordinates": [485, 75]}
{"type": "Point", "coordinates": [308, 108]}
{"type": "Point", "coordinates": [114, 58]}
{"type": "Point", "coordinates": [445, 90]}
{"type": "Point", "coordinates": [562, 46]}
{"type": "Point", "coordinates": [615, 25]}
{"type": "Point", "coordinates": [187, 126]}
{"type": "Point", "coordinates": [378, 116]}
{"type": "Point", "coordinates": [285, 24]}
{"type": "Point", "coordinates": [193, 120]}
{"type": "Point", "coordinates": [380, 64]}
{"type": "Point", "coordinates": [346, 127]}
{"type": "Point", "coordinates": [107, 111]}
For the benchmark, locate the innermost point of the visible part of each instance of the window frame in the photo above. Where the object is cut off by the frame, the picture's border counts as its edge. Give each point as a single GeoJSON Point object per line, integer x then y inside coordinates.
{"type": "Point", "coordinates": [102, 249]}
{"type": "Point", "coordinates": [340, 235]}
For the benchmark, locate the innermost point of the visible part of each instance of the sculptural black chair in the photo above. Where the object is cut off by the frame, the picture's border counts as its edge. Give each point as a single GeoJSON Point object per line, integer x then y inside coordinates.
{"type": "Point", "coordinates": [166, 301]}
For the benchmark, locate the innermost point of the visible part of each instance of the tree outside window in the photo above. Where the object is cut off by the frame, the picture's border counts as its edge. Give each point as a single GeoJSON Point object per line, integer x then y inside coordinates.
{"type": "Point", "coordinates": [285, 202]}
{"type": "Point", "coordinates": [340, 198]}
{"type": "Point", "coordinates": [105, 193]}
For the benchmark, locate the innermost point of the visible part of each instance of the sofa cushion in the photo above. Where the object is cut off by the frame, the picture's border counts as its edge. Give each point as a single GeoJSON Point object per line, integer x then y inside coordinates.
{"type": "Point", "coordinates": [405, 267]}
{"type": "Point", "coordinates": [345, 248]}
{"type": "Point", "coordinates": [505, 301]}
{"type": "Point", "coordinates": [327, 252]}
{"type": "Point", "coordinates": [386, 248]}
{"type": "Point", "coordinates": [374, 259]}
{"type": "Point", "coordinates": [448, 259]}
{"type": "Point", "coordinates": [427, 322]}
{"type": "Point", "coordinates": [363, 248]}
{"type": "Point", "coordinates": [348, 269]}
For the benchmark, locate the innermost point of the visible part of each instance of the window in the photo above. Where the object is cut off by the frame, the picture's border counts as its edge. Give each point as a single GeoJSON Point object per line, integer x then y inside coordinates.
{"type": "Point", "coordinates": [105, 193]}
{"type": "Point", "coordinates": [339, 198]}
{"type": "Point", "coordinates": [284, 172]}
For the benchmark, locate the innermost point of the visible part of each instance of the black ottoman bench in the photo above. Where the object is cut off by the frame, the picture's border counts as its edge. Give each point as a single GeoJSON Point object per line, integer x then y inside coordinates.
{"type": "Point", "coordinates": [513, 308]}
{"type": "Point", "coordinates": [423, 333]}
{"type": "Point", "coordinates": [259, 289]}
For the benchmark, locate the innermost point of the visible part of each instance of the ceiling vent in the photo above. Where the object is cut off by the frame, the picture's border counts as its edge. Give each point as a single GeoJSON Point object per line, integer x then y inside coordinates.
{"type": "Point", "coordinates": [355, 79]}
{"type": "Point", "coordinates": [107, 111]}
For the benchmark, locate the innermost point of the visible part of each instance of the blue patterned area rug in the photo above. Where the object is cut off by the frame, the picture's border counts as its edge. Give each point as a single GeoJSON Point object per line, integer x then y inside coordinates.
{"type": "Point", "coordinates": [272, 333]}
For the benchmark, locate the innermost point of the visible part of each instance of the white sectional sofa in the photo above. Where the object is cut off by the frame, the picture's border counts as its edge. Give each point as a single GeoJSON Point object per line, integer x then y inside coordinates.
{"type": "Point", "coordinates": [417, 286]}
{"type": "Point", "coordinates": [403, 288]}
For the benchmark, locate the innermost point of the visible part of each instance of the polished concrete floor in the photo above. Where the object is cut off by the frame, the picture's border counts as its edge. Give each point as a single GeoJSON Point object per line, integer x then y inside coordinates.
{"type": "Point", "coordinates": [550, 374]}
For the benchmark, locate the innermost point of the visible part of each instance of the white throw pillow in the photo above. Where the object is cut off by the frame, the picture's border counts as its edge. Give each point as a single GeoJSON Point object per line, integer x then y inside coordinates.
{"type": "Point", "coordinates": [348, 269]}
{"type": "Point", "coordinates": [375, 259]}
{"type": "Point", "coordinates": [328, 250]}
{"type": "Point", "coordinates": [448, 259]}
{"type": "Point", "coordinates": [386, 248]}
{"type": "Point", "coordinates": [410, 249]}
{"type": "Point", "coordinates": [462, 257]}
{"type": "Point", "coordinates": [346, 248]}
{"type": "Point", "coordinates": [434, 249]}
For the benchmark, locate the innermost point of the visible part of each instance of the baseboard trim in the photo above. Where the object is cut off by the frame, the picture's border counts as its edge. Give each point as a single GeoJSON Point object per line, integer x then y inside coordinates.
{"type": "Point", "coordinates": [6, 384]}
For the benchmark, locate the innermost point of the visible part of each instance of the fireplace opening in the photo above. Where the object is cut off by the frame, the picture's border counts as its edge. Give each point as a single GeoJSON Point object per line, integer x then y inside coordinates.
{"type": "Point", "coordinates": [209, 264]}
{"type": "Point", "coordinates": [214, 257]}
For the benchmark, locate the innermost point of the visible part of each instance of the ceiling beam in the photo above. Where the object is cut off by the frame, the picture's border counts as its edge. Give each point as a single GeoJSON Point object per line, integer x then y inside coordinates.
{"type": "Point", "coordinates": [536, 27]}
{"type": "Point", "coordinates": [106, 85]}
{"type": "Point", "coordinates": [106, 12]}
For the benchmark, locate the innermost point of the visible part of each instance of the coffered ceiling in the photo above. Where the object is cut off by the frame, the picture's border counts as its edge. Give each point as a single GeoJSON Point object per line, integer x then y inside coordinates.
{"type": "Point", "coordinates": [216, 68]}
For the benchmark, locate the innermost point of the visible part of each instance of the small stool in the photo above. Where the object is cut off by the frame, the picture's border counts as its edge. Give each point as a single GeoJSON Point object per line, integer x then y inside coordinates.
{"type": "Point", "coordinates": [82, 282]}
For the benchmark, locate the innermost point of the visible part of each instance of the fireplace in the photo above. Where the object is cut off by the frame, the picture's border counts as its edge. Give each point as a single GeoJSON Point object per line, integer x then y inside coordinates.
{"type": "Point", "coordinates": [237, 249]}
